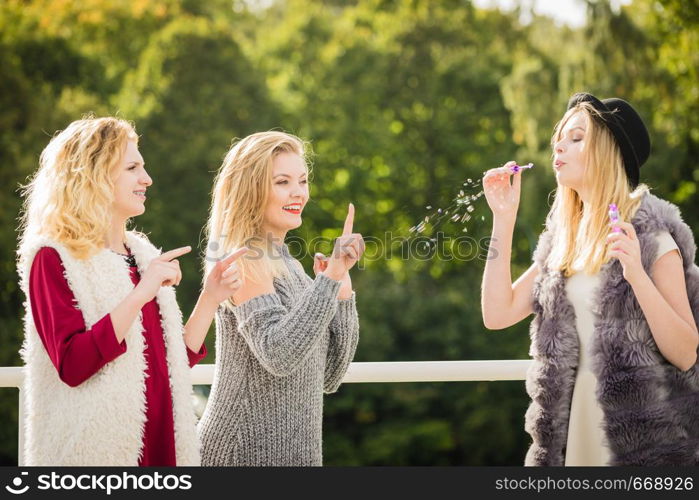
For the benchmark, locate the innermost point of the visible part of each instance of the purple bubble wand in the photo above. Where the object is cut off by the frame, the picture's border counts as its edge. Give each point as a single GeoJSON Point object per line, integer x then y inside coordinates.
{"type": "Point", "coordinates": [516, 168]}
{"type": "Point", "coordinates": [614, 216]}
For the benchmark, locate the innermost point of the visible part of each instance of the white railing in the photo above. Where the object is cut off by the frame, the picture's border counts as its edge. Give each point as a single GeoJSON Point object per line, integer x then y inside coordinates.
{"type": "Point", "coordinates": [366, 372]}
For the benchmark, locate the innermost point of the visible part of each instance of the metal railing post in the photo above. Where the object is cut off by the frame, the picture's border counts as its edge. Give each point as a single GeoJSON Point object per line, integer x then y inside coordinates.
{"type": "Point", "coordinates": [20, 437]}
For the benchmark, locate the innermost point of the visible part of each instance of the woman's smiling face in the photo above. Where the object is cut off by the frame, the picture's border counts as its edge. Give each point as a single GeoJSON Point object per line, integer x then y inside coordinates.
{"type": "Point", "coordinates": [130, 184]}
{"type": "Point", "coordinates": [288, 195]}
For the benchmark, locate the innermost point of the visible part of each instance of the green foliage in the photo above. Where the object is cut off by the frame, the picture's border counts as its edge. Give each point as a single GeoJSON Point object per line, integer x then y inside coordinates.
{"type": "Point", "coordinates": [402, 101]}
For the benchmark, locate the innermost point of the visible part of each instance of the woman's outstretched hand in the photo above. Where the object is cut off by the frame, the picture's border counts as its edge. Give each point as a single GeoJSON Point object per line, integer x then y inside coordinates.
{"type": "Point", "coordinates": [162, 271]}
{"type": "Point", "coordinates": [224, 279]}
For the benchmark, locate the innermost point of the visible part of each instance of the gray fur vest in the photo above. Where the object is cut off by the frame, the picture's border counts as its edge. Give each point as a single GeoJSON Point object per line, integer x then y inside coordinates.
{"type": "Point", "coordinates": [651, 408]}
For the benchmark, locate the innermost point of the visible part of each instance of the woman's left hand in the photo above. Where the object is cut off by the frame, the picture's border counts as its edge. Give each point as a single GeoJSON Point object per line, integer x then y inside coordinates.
{"type": "Point", "coordinates": [224, 278]}
{"type": "Point", "coordinates": [624, 246]}
{"type": "Point", "coordinates": [320, 264]}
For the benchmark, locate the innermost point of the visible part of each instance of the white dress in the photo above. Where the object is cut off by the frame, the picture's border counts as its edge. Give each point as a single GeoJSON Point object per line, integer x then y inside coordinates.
{"type": "Point", "coordinates": [586, 440]}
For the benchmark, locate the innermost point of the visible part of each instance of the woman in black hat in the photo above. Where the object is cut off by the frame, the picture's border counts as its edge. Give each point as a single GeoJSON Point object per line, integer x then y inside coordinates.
{"type": "Point", "coordinates": [614, 378]}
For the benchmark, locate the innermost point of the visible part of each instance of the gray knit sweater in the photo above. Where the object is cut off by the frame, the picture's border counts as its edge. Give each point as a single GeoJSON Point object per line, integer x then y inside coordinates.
{"type": "Point", "coordinates": [276, 355]}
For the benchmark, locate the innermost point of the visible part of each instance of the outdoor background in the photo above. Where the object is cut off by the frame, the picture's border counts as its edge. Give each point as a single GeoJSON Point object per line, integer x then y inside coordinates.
{"type": "Point", "coordinates": [402, 101]}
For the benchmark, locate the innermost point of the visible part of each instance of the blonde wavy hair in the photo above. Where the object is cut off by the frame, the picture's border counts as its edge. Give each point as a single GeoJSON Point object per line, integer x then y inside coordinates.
{"type": "Point", "coordinates": [239, 198]}
{"type": "Point", "coordinates": [69, 198]}
{"type": "Point", "coordinates": [581, 235]}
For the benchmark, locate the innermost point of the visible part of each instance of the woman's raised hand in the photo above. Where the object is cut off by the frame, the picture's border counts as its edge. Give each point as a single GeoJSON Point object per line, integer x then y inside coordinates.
{"type": "Point", "coordinates": [347, 251]}
{"type": "Point", "coordinates": [224, 279]}
{"type": "Point", "coordinates": [162, 271]}
{"type": "Point", "coordinates": [503, 196]}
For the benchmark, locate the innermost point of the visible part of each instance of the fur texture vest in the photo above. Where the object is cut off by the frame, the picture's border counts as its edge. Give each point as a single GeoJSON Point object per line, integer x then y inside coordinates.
{"type": "Point", "coordinates": [101, 421]}
{"type": "Point", "coordinates": [651, 408]}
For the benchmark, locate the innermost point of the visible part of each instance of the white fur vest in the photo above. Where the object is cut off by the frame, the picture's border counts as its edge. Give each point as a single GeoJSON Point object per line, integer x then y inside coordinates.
{"type": "Point", "coordinates": [101, 421]}
{"type": "Point", "coordinates": [651, 408]}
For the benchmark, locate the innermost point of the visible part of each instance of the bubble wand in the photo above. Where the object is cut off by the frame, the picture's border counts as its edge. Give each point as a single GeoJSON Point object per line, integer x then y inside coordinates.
{"type": "Point", "coordinates": [614, 216]}
{"type": "Point", "coordinates": [516, 168]}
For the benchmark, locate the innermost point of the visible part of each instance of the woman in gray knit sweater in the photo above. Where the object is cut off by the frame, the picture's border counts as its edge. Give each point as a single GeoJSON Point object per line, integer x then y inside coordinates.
{"type": "Point", "coordinates": [286, 338]}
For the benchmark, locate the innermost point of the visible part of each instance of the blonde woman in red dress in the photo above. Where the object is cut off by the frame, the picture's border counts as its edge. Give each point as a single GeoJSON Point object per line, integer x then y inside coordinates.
{"type": "Point", "coordinates": [107, 356]}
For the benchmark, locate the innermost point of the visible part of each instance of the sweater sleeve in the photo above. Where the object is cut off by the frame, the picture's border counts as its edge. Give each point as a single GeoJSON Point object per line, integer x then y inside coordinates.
{"type": "Point", "coordinates": [344, 336]}
{"type": "Point", "coordinates": [281, 338]}
{"type": "Point", "coordinates": [76, 352]}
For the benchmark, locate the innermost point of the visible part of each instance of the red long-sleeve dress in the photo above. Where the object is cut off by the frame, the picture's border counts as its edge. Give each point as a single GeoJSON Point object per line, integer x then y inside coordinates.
{"type": "Point", "coordinates": [78, 353]}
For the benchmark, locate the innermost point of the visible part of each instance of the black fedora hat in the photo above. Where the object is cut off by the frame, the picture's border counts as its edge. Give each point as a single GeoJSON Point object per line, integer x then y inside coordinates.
{"type": "Point", "coordinates": [626, 126]}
